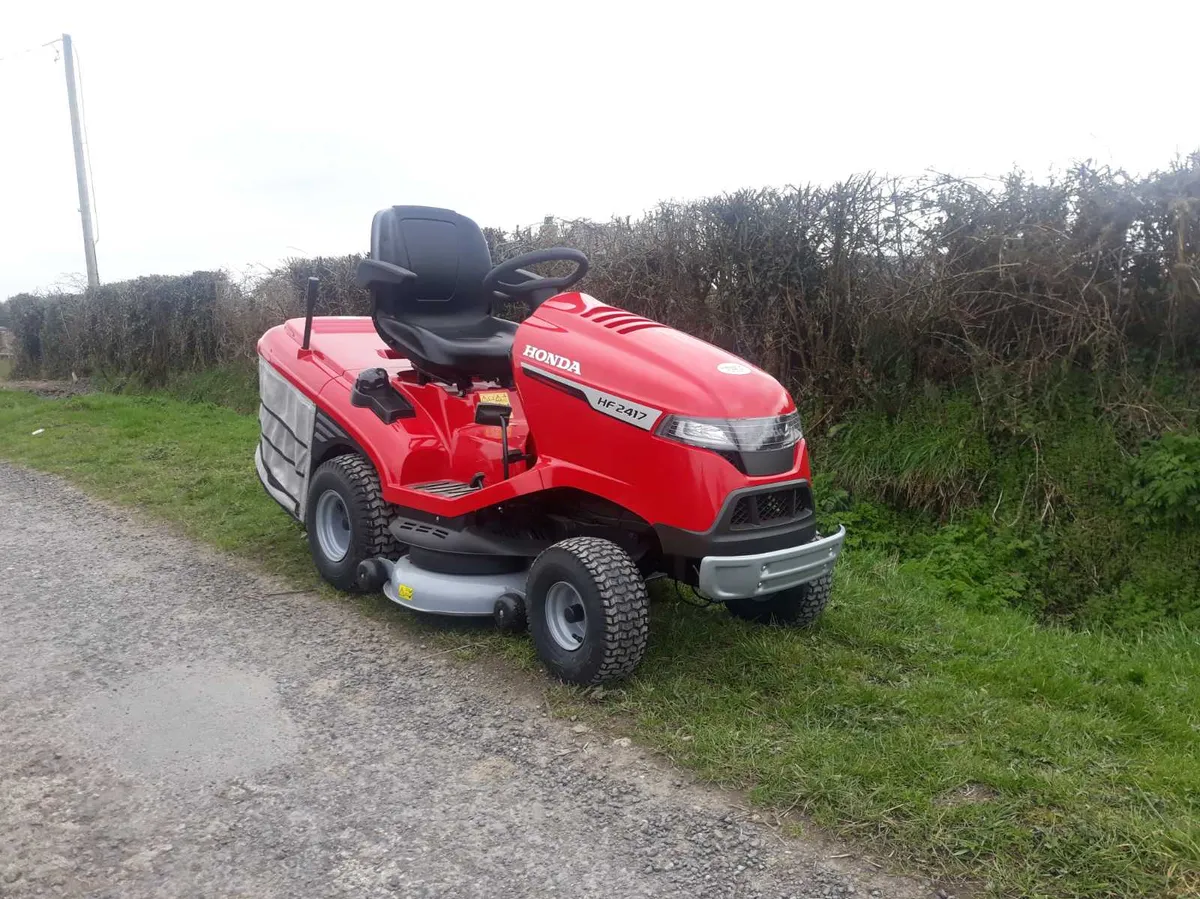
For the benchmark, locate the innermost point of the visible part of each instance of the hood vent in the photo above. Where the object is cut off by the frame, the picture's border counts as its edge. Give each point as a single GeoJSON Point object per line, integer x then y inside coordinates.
{"type": "Point", "coordinates": [619, 320]}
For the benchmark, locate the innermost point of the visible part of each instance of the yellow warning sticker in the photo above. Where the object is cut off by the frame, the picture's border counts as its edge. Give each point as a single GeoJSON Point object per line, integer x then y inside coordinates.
{"type": "Point", "coordinates": [499, 397]}
{"type": "Point", "coordinates": [404, 591]}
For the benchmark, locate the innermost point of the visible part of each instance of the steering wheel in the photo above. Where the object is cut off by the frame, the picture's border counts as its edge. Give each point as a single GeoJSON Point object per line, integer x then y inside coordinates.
{"type": "Point", "coordinates": [495, 280]}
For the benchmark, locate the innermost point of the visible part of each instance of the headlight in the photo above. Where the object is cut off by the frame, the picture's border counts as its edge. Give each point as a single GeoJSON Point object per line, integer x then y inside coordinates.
{"type": "Point", "coordinates": [744, 434]}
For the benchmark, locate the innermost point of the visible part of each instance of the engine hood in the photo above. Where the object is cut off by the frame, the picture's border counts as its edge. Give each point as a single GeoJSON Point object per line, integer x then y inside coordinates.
{"type": "Point", "coordinates": [579, 342]}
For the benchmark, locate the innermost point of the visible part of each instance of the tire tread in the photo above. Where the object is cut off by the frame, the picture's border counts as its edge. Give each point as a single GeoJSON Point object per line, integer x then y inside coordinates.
{"type": "Point", "coordinates": [798, 606]}
{"type": "Point", "coordinates": [362, 476]}
{"type": "Point", "coordinates": [355, 478]}
{"type": "Point", "coordinates": [624, 598]}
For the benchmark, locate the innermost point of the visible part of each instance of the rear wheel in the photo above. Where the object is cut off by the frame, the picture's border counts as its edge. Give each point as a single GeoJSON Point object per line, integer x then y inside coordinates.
{"type": "Point", "coordinates": [799, 606]}
{"type": "Point", "coordinates": [588, 609]}
{"type": "Point", "coordinates": [347, 520]}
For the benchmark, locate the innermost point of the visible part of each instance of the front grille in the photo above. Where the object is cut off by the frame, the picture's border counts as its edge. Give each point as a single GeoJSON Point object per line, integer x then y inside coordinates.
{"type": "Point", "coordinates": [776, 505]}
{"type": "Point", "coordinates": [742, 513]}
{"type": "Point", "coordinates": [771, 508]}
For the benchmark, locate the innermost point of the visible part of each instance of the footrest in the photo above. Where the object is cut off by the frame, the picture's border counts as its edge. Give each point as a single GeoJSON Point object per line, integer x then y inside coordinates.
{"type": "Point", "coordinates": [448, 489]}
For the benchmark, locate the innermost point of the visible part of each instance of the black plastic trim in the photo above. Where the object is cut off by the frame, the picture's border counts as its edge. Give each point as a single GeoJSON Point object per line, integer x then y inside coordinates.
{"type": "Point", "coordinates": [373, 390]}
{"type": "Point", "coordinates": [443, 536]}
{"type": "Point", "coordinates": [464, 563]}
{"type": "Point", "coordinates": [565, 388]}
{"type": "Point", "coordinates": [762, 463]}
{"type": "Point", "coordinates": [722, 539]}
{"type": "Point", "coordinates": [329, 440]}
{"type": "Point", "coordinates": [326, 429]}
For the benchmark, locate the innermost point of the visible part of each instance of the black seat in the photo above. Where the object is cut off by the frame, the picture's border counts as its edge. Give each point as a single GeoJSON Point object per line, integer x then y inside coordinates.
{"type": "Point", "coordinates": [441, 318]}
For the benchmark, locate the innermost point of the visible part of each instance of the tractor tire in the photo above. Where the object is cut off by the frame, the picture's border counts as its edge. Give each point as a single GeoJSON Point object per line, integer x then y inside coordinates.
{"type": "Point", "coordinates": [589, 612]}
{"type": "Point", "coordinates": [798, 606]}
{"type": "Point", "coordinates": [347, 520]}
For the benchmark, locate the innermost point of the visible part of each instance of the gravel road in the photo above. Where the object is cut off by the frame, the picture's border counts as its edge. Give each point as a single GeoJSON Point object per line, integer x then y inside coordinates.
{"type": "Point", "coordinates": [174, 724]}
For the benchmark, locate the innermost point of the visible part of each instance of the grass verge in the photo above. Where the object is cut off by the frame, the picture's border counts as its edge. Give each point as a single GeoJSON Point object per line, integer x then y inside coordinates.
{"type": "Point", "coordinates": [233, 385]}
{"type": "Point", "coordinates": [972, 743]}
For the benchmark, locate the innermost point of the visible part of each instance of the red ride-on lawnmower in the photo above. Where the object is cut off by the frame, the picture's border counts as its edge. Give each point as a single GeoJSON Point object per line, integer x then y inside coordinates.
{"type": "Point", "coordinates": [468, 465]}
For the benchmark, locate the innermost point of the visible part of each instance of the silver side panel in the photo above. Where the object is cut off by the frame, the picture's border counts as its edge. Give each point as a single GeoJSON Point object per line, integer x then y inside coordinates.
{"type": "Point", "coordinates": [286, 418]}
{"type": "Point", "coordinates": [608, 404]}
{"type": "Point", "coordinates": [740, 577]}
{"type": "Point", "coordinates": [271, 484]}
{"type": "Point", "coordinates": [448, 594]}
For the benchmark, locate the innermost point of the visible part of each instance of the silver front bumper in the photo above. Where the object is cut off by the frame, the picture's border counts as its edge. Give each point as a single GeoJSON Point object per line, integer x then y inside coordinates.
{"type": "Point", "coordinates": [738, 577]}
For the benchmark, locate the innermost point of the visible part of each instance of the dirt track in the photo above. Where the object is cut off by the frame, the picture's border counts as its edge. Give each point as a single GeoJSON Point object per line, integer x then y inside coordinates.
{"type": "Point", "coordinates": [52, 389]}
{"type": "Point", "coordinates": [174, 725]}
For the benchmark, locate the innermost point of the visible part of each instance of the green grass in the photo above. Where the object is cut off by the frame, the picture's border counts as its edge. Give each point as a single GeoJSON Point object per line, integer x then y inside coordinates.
{"type": "Point", "coordinates": [968, 742]}
{"type": "Point", "coordinates": [930, 456]}
{"type": "Point", "coordinates": [1024, 503]}
{"type": "Point", "coordinates": [189, 463]}
{"type": "Point", "coordinates": [233, 385]}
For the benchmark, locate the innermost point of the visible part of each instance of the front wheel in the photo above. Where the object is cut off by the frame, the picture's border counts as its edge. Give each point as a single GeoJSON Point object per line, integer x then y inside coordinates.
{"type": "Point", "coordinates": [798, 606]}
{"type": "Point", "coordinates": [589, 612]}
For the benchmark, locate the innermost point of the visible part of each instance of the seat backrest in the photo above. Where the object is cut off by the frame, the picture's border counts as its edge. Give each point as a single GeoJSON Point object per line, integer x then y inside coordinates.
{"type": "Point", "coordinates": [447, 252]}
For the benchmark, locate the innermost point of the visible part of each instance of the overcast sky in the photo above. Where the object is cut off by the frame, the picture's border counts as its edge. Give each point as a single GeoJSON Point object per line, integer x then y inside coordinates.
{"type": "Point", "coordinates": [234, 134]}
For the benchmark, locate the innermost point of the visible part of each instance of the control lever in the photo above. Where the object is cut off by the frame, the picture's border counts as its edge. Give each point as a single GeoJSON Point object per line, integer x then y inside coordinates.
{"type": "Point", "coordinates": [496, 414]}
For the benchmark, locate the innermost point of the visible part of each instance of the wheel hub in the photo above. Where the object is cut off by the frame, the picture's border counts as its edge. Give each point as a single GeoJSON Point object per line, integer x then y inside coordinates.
{"type": "Point", "coordinates": [332, 524]}
{"type": "Point", "coordinates": [566, 618]}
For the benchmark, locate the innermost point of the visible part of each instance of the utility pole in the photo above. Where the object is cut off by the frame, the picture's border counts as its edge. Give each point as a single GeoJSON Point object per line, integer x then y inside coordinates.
{"type": "Point", "coordinates": [85, 205]}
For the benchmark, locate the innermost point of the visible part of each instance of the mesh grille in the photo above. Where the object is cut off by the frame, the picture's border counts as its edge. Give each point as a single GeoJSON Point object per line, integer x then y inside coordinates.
{"type": "Point", "coordinates": [773, 507]}
{"type": "Point", "coordinates": [741, 512]}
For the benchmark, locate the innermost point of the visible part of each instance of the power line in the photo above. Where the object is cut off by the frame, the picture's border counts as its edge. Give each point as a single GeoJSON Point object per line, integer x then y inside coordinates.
{"type": "Point", "coordinates": [29, 50]}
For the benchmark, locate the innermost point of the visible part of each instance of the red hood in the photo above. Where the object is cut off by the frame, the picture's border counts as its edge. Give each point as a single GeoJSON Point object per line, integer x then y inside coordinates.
{"type": "Point", "coordinates": [622, 353]}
